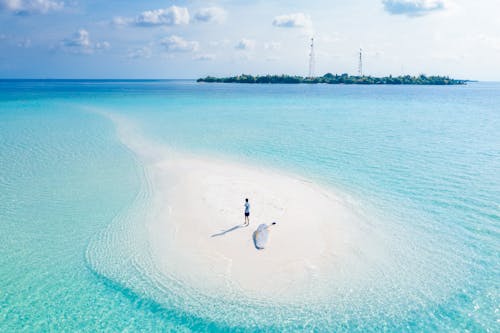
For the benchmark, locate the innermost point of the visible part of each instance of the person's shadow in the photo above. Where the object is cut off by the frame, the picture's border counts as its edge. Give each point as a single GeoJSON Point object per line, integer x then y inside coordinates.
{"type": "Point", "coordinates": [223, 232]}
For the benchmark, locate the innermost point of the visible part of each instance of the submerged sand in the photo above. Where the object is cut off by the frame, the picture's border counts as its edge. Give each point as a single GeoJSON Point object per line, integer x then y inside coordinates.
{"type": "Point", "coordinates": [196, 236]}
{"type": "Point", "coordinates": [182, 244]}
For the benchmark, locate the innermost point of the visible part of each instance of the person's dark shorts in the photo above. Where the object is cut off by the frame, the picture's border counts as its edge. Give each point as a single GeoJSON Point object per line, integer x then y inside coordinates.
{"type": "Point", "coordinates": [247, 214]}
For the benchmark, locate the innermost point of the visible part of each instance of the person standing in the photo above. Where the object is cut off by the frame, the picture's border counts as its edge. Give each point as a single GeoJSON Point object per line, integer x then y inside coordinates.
{"type": "Point", "coordinates": [247, 213]}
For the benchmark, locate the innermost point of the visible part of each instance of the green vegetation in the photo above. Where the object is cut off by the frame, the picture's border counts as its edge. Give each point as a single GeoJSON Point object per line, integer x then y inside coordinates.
{"type": "Point", "coordinates": [337, 79]}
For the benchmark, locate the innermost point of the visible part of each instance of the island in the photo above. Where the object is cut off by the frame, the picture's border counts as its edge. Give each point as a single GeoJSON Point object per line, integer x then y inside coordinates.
{"type": "Point", "coordinates": [330, 78]}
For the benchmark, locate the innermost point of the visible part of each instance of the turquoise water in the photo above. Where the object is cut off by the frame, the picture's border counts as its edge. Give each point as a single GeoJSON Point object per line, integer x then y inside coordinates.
{"type": "Point", "coordinates": [425, 161]}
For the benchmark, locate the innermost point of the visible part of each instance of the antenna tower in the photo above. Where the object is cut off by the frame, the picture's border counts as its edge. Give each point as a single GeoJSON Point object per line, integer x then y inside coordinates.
{"type": "Point", "coordinates": [360, 65]}
{"type": "Point", "coordinates": [311, 59]}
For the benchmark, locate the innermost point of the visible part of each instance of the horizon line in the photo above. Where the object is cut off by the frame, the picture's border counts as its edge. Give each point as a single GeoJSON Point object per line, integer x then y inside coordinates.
{"type": "Point", "coordinates": [188, 79]}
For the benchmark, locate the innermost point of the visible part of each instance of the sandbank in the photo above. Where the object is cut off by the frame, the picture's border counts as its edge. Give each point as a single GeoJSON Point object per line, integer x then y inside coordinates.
{"type": "Point", "coordinates": [196, 236]}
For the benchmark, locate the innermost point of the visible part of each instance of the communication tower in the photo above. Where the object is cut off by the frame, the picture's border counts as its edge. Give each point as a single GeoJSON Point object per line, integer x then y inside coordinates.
{"type": "Point", "coordinates": [360, 65]}
{"type": "Point", "coordinates": [311, 59]}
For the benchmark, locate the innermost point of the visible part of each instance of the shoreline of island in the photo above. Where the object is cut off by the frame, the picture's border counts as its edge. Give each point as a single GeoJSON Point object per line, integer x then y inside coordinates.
{"type": "Point", "coordinates": [330, 78]}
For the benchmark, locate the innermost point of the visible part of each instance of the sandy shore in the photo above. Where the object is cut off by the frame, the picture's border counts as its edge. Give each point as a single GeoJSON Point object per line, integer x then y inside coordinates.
{"type": "Point", "coordinates": [196, 234]}
{"type": "Point", "coordinates": [200, 231]}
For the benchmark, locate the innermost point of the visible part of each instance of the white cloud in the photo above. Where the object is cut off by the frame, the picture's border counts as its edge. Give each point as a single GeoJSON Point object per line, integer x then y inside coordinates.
{"type": "Point", "coordinates": [204, 57]}
{"type": "Point", "coordinates": [245, 44]}
{"type": "Point", "coordinates": [178, 44]}
{"type": "Point", "coordinates": [296, 20]}
{"type": "Point", "coordinates": [169, 16]}
{"type": "Point", "coordinates": [102, 45]}
{"type": "Point", "coordinates": [142, 52]}
{"type": "Point", "coordinates": [25, 43]}
{"type": "Point", "coordinates": [81, 38]}
{"type": "Point", "coordinates": [121, 21]}
{"type": "Point", "coordinates": [414, 8]}
{"type": "Point", "coordinates": [272, 46]}
{"type": "Point", "coordinates": [211, 14]}
{"type": "Point", "coordinates": [26, 7]}
{"type": "Point", "coordinates": [80, 43]}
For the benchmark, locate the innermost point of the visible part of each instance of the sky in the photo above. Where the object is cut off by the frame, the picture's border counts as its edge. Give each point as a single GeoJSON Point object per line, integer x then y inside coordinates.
{"type": "Point", "coordinates": [191, 39]}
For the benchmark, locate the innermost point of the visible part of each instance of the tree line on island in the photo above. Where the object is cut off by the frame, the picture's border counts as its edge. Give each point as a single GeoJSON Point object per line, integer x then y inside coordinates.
{"type": "Point", "coordinates": [336, 79]}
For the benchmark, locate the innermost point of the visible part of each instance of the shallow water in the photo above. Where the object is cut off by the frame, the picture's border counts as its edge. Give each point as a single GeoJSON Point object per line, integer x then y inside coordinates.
{"type": "Point", "coordinates": [422, 162]}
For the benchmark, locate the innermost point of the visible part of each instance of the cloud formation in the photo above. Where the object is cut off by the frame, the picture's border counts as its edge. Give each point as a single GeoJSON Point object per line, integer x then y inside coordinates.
{"type": "Point", "coordinates": [121, 21]}
{"type": "Point", "coordinates": [169, 16]}
{"type": "Point", "coordinates": [296, 20]}
{"type": "Point", "coordinates": [25, 43]}
{"type": "Point", "coordinates": [210, 14]}
{"type": "Point", "coordinates": [140, 53]}
{"type": "Point", "coordinates": [27, 7]}
{"type": "Point", "coordinates": [413, 8]}
{"type": "Point", "coordinates": [102, 45]}
{"type": "Point", "coordinates": [80, 43]}
{"type": "Point", "coordinates": [178, 44]}
{"type": "Point", "coordinates": [245, 44]}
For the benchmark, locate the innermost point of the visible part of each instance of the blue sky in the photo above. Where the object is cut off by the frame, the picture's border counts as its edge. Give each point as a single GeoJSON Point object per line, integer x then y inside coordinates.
{"type": "Point", "coordinates": [189, 39]}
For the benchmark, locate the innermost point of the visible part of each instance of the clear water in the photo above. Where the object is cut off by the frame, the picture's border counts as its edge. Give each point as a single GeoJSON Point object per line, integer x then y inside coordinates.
{"type": "Point", "coordinates": [425, 161]}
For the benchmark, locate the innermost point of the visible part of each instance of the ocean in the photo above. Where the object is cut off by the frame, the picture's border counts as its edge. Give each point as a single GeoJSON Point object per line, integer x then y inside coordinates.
{"type": "Point", "coordinates": [421, 163]}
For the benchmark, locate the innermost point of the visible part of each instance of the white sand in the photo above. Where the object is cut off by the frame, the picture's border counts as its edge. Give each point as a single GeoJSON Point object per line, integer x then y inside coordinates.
{"type": "Point", "coordinates": [196, 232]}
{"type": "Point", "coordinates": [329, 255]}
